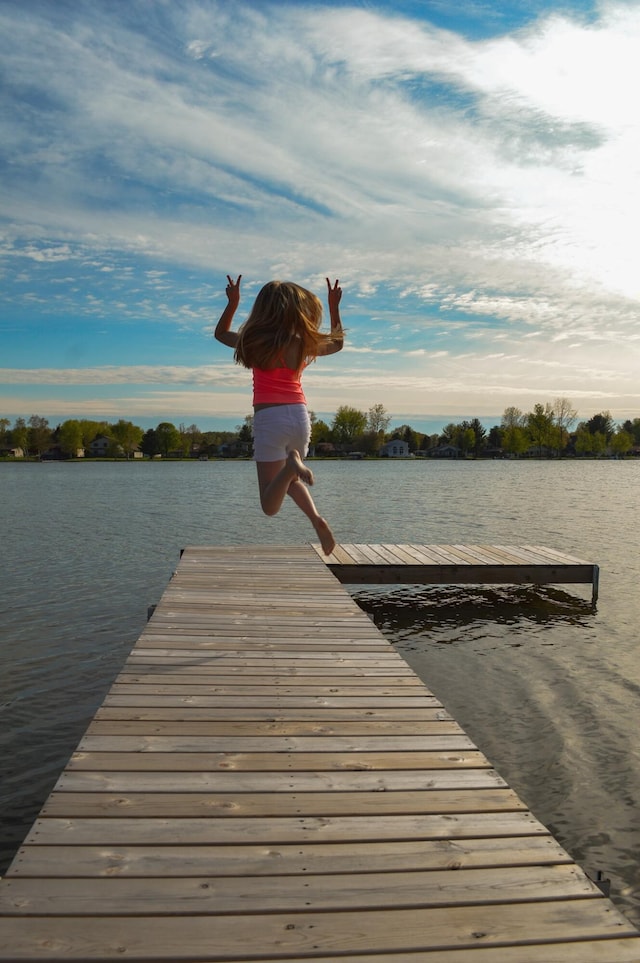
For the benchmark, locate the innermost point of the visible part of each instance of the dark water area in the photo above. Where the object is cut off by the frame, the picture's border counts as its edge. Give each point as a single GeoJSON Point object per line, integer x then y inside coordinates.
{"type": "Point", "coordinates": [546, 685]}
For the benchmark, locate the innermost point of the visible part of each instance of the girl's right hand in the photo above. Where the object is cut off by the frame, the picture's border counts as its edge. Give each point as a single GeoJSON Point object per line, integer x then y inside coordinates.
{"type": "Point", "coordinates": [233, 291]}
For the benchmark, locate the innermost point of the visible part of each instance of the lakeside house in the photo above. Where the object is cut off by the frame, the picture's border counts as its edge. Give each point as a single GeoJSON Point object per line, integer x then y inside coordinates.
{"type": "Point", "coordinates": [396, 448]}
{"type": "Point", "coordinates": [444, 451]}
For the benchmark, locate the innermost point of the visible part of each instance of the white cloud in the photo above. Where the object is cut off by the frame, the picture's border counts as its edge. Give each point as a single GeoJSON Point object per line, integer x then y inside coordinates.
{"type": "Point", "coordinates": [493, 179]}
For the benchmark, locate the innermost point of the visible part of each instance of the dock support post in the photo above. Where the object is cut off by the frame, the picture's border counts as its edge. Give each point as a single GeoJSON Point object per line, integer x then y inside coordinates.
{"type": "Point", "coordinates": [595, 584]}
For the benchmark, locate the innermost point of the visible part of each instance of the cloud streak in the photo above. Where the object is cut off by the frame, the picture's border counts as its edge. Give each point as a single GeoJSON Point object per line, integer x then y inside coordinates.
{"type": "Point", "coordinates": [464, 190]}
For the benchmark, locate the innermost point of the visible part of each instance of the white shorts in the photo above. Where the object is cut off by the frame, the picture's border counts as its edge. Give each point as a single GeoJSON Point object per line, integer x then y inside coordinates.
{"type": "Point", "coordinates": [278, 430]}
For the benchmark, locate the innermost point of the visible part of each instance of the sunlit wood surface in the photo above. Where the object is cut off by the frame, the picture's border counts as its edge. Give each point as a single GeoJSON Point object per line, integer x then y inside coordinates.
{"type": "Point", "coordinates": [459, 565]}
{"type": "Point", "coordinates": [268, 780]}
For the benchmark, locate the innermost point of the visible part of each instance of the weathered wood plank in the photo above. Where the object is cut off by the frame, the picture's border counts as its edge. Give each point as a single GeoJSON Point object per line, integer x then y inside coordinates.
{"type": "Point", "coordinates": [289, 859]}
{"type": "Point", "coordinates": [159, 831]}
{"type": "Point", "coordinates": [218, 896]}
{"type": "Point", "coordinates": [176, 805]}
{"type": "Point", "coordinates": [185, 711]}
{"type": "Point", "coordinates": [258, 781]}
{"type": "Point", "coordinates": [178, 762]}
{"type": "Point", "coordinates": [310, 934]}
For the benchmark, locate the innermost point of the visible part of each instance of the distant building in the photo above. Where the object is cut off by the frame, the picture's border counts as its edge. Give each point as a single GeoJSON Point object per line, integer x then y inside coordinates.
{"type": "Point", "coordinates": [395, 449]}
{"type": "Point", "coordinates": [444, 451]}
{"type": "Point", "coordinates": [100, 445]}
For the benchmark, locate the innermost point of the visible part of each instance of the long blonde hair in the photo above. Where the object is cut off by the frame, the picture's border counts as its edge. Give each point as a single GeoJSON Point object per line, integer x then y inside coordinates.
{"type": "Point", "coordinates": [283, 313]}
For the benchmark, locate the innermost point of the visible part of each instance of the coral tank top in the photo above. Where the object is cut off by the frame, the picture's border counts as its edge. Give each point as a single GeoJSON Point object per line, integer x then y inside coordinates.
{"type": "Point", "coordinates": [278, 386]}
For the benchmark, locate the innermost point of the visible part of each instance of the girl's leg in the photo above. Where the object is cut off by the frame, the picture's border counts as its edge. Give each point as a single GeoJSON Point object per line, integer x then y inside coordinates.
{"type": "Point", "coordinates": [274, 478]}
{"type": "Point", "coordinates": [279, 478]}
{"type": "Point", "coordinates": [302, 497]}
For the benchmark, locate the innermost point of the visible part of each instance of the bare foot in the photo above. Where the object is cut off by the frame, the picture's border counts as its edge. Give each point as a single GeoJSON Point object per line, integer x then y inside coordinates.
{"type": "Point", "coordinates": [324, 533]}
{"type": "Point", "coordinates": [296, 463]}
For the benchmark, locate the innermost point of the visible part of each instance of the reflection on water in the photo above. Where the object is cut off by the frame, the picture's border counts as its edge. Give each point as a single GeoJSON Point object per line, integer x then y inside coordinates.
{"type": "Point", "coordinates": [515, 666]}
{"type": "Point", "coordinates": [435, 607]}
{"type": "Point", "coordinates": [546, 685]}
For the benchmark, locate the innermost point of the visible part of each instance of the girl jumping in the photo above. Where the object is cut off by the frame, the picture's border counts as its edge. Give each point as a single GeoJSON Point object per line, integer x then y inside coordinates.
{"type": "Point", "coordinates": [277, 341]}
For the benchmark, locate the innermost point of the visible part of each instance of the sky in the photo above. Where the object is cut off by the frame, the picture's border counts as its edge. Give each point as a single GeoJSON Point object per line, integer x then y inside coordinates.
{"type": "Point", "coordinates": [469, 171]}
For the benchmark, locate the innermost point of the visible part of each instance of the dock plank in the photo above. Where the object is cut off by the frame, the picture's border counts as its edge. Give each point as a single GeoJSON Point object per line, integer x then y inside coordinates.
{"type": "Point", "coordinates": [268, 780]}
{"type": "Point", "coordinates": [459, 564]}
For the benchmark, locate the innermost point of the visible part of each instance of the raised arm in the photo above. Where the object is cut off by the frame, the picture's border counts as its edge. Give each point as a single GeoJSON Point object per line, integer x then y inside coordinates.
{"type": "Point", "coordinates": [223, 330]}
{"type": "Point", "coordinates": [334, 294]}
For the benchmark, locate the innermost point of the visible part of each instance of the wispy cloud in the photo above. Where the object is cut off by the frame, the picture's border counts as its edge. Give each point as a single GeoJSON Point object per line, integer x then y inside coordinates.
{"type": "Point", "coordinates": [464, 190]}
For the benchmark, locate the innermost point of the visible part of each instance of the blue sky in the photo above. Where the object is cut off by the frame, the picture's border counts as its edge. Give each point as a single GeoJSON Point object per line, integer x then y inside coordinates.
{"type": "Point", "coordinates": [469, 171]}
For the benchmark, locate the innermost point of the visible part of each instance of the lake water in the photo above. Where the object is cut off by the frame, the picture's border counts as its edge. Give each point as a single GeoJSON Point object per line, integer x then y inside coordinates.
{"type": "Point", "coordinates": [548, 687]}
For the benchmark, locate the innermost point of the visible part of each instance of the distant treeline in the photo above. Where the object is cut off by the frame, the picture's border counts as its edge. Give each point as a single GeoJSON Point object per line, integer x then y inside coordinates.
{"type": "Point", "coordinates": [546, 431]}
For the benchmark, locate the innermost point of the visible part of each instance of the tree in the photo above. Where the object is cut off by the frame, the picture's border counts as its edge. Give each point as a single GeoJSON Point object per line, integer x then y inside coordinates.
{"type": "Point", "coordinates": [515, 440]}
{"type": "Point", "coordinates": [320, 431]}
{"type": "Point", "coordinates": [621, 442]}
{"type": "Point", "coordinates": [467, 440]}
{"type": "Point", "coordinates": [450, 434]}
{"type": "Point", "coordinates": [541, 428]}
{"type": "Point", "coordinates": [168, 438]}
{"type": "Point", "coordinates": [590, 443]}
{"type": "Point", "coordinates": [603, 423]}
{"type": "Point", "coordinates": [474, 441]}
{"type": "Point", "coordinates": [69, 436]}
{"type": "Point", "coordinates": [245, 434]}
{"type": "Point", "coordinates": [513, 418]}
{"type": "Point", "coordinates": [39, 434]}
{"type": "Point", "coordinates": [564, 413]}
{"type": "Point", "coordinates": [150, 445]}
{"type": "Point", "coordinates": [633, 428]}
{"type": "Point", "coordinates": [127, 435]}
{"type": "Point", "coordinates": [20, 434]}
{"type": "Point", "coordinates": [348, 425]}
{"type": "Point", "coordinates": [4, 433]}
{"type": "Point", "coordinates": [378, 419]}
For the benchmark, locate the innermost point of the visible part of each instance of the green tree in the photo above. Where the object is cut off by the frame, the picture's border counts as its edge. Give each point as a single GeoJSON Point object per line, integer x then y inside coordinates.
{"type": "Point", "coordinates": [320, 431]}
{"type": "Point", "coordinates": [450, 435]}
{"type": "Point", "coordinates": [621, 442]}
{"type": "Point", "coordinates": [633, 428]}
{"type": "Point", "coordinates": [127, 435]}
{"type": "Point", "coordinates": [69, 437]}
{"type": "Point", "coordinates": [515, 439]}
{"type": "Point", "coordinates": [467, 440]}
{"type": "Point", "coordinates": [245, 434]}
{"type": "Point", "coordinates": [20, 435]}
{"type": "Point", "coordinates": [150, 445]}
{"type": "Point", "coordinates": [475, 441]}
{"type": "Point", "coordinates": [168, 438]}
{"type": "Point", "coordinates": [349, 424]}
{"type": "Point", "coordinates": [4, 431]}
{"type": "Point", "coordinates": [542, 431]}
{"type": "Point", "coordinates": [603, 423]}
{"type": "Point", "coordinates": [39, 434]}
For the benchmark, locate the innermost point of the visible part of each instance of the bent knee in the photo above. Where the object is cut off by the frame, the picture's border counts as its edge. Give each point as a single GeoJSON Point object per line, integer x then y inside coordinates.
{"type": "Point", "coordinates": [269, 510]}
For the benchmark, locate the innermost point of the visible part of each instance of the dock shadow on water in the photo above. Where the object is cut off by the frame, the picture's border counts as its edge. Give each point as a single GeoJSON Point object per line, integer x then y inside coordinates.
{"type": "Point", "coordinates": [522, 670]}
{"type": "Point", "coordinates": [459, 608]}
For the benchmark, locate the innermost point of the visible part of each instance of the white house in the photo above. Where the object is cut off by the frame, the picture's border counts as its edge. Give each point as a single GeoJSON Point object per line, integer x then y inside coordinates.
{"type": "Point", "coordinates": [395, 449]}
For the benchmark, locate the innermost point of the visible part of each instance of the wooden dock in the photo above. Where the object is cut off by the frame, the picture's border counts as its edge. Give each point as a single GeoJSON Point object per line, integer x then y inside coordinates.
{"type": "Point", "coordinates": [267, 780]}
{"type": "Point", "coordinates": [459, 565]}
